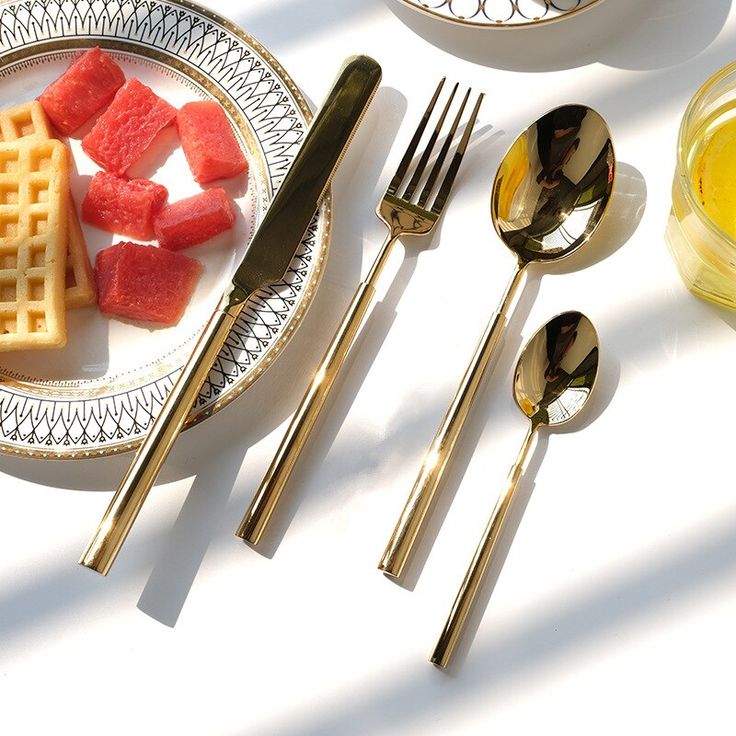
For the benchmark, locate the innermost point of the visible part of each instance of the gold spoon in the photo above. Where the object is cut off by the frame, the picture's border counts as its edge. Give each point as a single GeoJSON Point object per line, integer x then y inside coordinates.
{"type": "Point", "coordinates": [554, 377]}
{"type": "Point", "coordinates": [549, 195]}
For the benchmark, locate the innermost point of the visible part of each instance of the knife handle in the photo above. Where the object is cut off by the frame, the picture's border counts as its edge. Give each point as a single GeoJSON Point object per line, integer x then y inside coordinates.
{"type": "Point", "coordinates": [264, 502]}
{"type": "Point", "coordinates": [112, 531]}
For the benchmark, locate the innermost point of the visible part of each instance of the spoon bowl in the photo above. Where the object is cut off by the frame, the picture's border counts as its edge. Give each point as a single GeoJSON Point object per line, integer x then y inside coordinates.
{"type": "Point", "coordinates": [554, 378]}
{"type": "Point", "coordinates": [554, 184]}
{"type": "Point", "coordinates": [557, 370]}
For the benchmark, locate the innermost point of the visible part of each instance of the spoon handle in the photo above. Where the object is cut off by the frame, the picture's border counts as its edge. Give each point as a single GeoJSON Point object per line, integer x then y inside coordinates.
{"type": "Point", "coordinates": [474, 576]}
{"type": "Point", "coordinates": [415, 510]}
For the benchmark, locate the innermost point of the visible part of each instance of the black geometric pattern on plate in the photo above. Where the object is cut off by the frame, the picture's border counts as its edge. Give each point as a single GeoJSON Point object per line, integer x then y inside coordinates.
{"type": "Point", "coordinates": [48, 423]}
{"type": "Point", "coordinates": [491, 13]}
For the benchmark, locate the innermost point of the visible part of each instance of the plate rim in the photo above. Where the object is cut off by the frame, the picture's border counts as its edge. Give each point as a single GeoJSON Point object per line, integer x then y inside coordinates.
{"type": "Point", "coordinates": [414, 4]}
{"type": "Point", "coordinates": [309, 288]}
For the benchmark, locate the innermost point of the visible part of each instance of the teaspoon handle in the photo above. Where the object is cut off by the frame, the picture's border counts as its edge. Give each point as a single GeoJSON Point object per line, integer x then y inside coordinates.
{"type": "Point", "coordinates": [474, 576]}
{"type": "Point", "coordinates": [412, 518]}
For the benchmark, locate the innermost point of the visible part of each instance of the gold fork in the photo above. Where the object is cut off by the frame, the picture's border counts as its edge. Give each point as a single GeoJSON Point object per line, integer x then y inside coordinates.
{"type": "Point", "coordinates": [403, 216]}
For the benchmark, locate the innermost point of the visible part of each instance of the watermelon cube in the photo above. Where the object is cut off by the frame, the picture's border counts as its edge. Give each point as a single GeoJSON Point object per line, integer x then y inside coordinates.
{"type": "Point", "coordinates": [124, 206]}
{"type": "Point", "coordinates": [195, 219]}
{"type": "Point", "coordinates": [211, 148]}
{"type": "Point", "coordinates": [127, 128]}
{"type": "Point", "coordinates": [104, 268]}
{"type": "Point", "coordinates": [145, 283]}
{"type": "Point", "coordinates": [87, 86]}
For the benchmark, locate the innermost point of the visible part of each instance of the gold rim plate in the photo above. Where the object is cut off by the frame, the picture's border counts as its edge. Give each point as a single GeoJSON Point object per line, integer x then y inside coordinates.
{"type": "Point", "coordinates": [500, 13]}
{"type": "Point", "coordinates": [100, 394]}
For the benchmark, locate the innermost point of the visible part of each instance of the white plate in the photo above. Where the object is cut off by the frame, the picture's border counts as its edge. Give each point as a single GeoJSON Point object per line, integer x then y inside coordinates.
{"type": "Point", "coordinates": [99, 394]}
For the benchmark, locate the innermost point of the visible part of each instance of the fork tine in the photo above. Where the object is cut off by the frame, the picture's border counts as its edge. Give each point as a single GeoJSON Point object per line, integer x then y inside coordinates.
{"type": "Point", "coordinates": [412, 185]}
{"type": "Point", "coordinates": [432, 178]}
{"type": "Point", "coordinates": [441, 198]}
{"type": "Point", "coordinates": [411, 149]}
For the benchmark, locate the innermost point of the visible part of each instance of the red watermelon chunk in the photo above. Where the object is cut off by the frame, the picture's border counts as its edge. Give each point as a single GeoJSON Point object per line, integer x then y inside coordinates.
{"type": "Point", "coordinates": [126, 129]}
{"type": "Point", "coordinates": [211, 148]}
{"type": "Point", "coordinates": [86, 87]}
{"type": "Point", "coordinates": [145, 283]}
{"type": "Point", "coordinates": [124, 206]}
{"type": "Point", "coordinates": [195, 219]}
{"type": "Point", "coordinates": [104, 268]}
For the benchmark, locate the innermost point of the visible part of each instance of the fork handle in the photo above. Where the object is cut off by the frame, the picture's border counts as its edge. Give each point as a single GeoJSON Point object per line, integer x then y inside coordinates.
{"type": "Point", "coordinates": [264, 502]}
{"type": "Point", "coordinates": [412, 518]}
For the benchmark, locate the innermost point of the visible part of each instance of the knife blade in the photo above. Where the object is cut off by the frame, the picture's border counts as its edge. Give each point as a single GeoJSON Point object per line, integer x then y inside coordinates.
{"type": "Point", "coordinates": [265, 262]}
{"type": "Point", "coordinates": [293, 207]}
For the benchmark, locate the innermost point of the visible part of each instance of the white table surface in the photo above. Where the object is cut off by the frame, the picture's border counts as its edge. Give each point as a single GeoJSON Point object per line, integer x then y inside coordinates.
{"type": "Point", "coordinates": [614, 611]}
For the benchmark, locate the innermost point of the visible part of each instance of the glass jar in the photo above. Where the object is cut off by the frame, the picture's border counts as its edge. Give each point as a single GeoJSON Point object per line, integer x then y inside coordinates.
{"type": "Point", "coordinates": [704, 254]}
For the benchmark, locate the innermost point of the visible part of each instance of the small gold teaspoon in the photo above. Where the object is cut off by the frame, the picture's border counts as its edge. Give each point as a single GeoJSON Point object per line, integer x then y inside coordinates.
{"type": "Point", "coordinates": [554, 378]}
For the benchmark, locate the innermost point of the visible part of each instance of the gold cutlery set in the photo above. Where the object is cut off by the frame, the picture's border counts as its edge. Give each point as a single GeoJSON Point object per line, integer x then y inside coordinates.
{"type": "Point", "coordinates": [548, 198]}
{"type": "Point", "coordinates": [265, 263]}
{"type": "Point", "coordinates": [404, 215]}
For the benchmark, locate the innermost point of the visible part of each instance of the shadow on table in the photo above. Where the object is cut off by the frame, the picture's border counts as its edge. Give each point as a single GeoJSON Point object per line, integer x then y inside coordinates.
{"type": "Point", "coordinates": [362, 355]}
{"type": "Point", "coordinates": [627, 34]}
{"type": "Point", "coordinates": [617, 228]}
{"type": "Point", "coordinates": [637, 335]}
{"type": "Point", "coordinates": [288, 21]}
{"type": "Point", "coordinates": [261, 409]}
{"type": "Point", "coordinates": [206, 524]}
{"type": "Point", "coordinates": [622, 596]}
{"type": "Point", "coordinates": [205, 508]}
{"type": "Point", "coordinates": [506, 536]}
{"type": "Point", "coordinates": [609, 375]}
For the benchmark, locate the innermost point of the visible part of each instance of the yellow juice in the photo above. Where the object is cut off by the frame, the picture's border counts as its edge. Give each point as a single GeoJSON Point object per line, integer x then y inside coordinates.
{"type": "Point", "coordinates": [701, 231]}
{"type": "Point", "coordinates": [714, 176]}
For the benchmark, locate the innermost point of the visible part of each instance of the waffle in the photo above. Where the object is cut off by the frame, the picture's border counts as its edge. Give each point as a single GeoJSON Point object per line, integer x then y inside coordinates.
{"type": "Point", "coordinates": [25, 121]}
{"type": "Point", "coordinates": [34, 206]}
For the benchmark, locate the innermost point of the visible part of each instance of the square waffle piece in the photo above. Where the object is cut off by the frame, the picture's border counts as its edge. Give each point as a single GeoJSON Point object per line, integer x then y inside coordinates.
{"type": "Point", "coordinates": [26, 121]}
{"type": "Point", "coordinates": [34, 207]}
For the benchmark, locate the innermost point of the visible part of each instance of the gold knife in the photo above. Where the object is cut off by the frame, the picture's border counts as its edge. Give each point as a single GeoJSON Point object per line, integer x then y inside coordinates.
{"type": "Point", "coordinates": [265, 263]}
